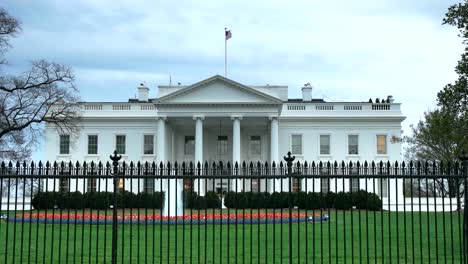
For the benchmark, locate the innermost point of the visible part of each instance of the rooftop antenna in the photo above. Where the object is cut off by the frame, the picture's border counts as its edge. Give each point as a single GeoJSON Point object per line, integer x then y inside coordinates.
{"type": "Point", "coordinates": [170, 80]}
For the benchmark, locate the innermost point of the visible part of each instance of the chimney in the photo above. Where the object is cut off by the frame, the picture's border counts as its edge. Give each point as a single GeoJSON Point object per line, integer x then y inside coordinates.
{"type": "Point", "coordinates": [307, 92]}
{"type": "Point", "coordinates": [143, 93]}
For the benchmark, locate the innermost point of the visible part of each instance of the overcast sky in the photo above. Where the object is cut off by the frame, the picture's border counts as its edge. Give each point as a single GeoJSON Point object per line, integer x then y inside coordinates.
{"type": "Point", "coordinates": [348, 50]}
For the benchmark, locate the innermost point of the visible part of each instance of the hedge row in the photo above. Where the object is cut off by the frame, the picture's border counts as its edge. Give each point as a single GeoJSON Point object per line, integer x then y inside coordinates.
{"type": "Point", "coordinates": [243, 200]}
{"type": "Point", "coordinates": [210, 200]}
{"type": "Point", "coordinates": [303, 200]}
{"type": "Point", "coordinates": [103, 200]}
{"type": "Point", "coordinates": [96, 200]}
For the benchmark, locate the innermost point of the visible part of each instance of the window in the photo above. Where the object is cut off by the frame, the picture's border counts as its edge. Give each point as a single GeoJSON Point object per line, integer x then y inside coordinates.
{"type": "Point", "coordinates": [148, 185]}
{"type": "Point", "coordinates": [92, 183]}
{"type": "Point", "coordinates": [120, 142]}
{"type": "Point", "coordinates": [121, 184]}
{"type": "Point", "coordinates": [381, 144]}
{"type": "Point", "coordinates": [64, 184]}
{"type": "Point", "coordinates": [353, 144]}
{"type": "Point", "coordinates": [255, 185]}
{"type": "Point", "coordinates": [383, 188]}
{"type": "Point", "coordinates": [324, 144]}
{"type": "Point", "coordinates": [296, 144]}
{"type": "Point", "coordinates": [64, 144]}
{"type": "Point", "coordinates": [354, 184]}
{"type": "Point", "coordinates": [92, 144]}
{"type": "Point", "coordinates": [223, 145]}
{"type": "Point", "coordinates": [189, 146]}
{"type": "Point", "coordinates": [148, 144]}
{"type": "Point", "coordinates": [296, 185]}
{"type": "Point", "coordinates": [255, 146]}
{"type": "Point", "coordinates": [325, 186]}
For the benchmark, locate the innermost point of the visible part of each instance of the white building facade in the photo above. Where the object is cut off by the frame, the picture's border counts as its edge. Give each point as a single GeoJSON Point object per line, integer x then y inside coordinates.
{"type": "Point", "coordinates": [218, 119]}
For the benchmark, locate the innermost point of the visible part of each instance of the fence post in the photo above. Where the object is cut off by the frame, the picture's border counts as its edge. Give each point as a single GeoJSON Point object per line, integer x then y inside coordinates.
{"type": "Point", "coordinates": [115, 162]}
{"type": "Point", "coordinates": [464, 159]}
{"type": "Point", "coordinates": [289, 161]}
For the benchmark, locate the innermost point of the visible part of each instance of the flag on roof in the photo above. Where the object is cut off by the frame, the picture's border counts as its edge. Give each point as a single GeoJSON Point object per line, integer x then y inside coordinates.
{"type": "Point", "coordinates": [228, 34]}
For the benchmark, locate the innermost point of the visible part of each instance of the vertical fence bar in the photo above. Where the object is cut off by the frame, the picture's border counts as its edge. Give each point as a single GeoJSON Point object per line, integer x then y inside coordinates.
{"type": "Point", "coordinates": [115, 162]}
{"type": "Point", "coordinates": [289, 159]}
{"type": "Point", "coordinates": [464, 159]}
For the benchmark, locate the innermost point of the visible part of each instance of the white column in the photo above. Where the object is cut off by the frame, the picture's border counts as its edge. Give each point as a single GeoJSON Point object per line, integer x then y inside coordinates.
{"type": "Point", "coordinates": [237, 185]}
{"type": "Point", "coordinates": [199, 153]}
{"type": "Point", "coordinates": [172, 207]}
{"type": "Point", "coordinates": [161, 140]}
{"type": "Point", "coordinates": [274, 154]}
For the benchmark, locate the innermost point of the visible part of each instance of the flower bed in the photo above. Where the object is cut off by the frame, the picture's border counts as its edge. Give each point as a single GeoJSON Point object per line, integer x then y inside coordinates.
{"type": "Point", "coordinates": [216, 218]}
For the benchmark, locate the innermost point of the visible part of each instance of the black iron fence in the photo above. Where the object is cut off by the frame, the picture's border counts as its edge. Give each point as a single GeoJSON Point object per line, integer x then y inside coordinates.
{"type": "Point", "coordinates": [289, 212]}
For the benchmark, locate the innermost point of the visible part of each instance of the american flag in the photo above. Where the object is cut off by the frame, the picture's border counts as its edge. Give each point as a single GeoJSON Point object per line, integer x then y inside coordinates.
{"type": "Point", "coordinates": [228, 34]}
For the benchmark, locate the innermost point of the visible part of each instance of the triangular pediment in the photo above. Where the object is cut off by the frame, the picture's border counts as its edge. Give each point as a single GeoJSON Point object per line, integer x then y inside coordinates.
{"type": "Point", "coordinates": [218, 90]}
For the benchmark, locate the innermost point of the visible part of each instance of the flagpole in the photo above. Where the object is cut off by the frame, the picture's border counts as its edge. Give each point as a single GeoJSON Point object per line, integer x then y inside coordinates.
{"type": "Point", "coordinates": [225, 53]}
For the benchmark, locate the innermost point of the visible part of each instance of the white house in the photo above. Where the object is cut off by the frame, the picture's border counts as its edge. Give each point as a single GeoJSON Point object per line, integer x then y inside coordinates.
{"type": "Point", "coordinates": [219, 119]}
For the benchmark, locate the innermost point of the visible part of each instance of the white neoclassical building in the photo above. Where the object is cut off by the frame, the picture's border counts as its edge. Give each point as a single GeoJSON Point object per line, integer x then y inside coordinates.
{"type": "Point", "coordinates": [219, 119]}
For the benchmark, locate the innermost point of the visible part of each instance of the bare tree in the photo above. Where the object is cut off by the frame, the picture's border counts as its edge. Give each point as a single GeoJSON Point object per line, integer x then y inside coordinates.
{"type": "Point", "coordinates": [44, 94]}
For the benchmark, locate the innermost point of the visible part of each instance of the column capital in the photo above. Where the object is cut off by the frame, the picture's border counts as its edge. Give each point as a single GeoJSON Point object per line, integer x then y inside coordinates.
{"type": "Point", "coordinates": [234, 117]}
{"type": "Point", "coordinates": [201, 117]}
{"type": "Point", "coordinates": [273, 117]}
{"type": "Point", "coordinates": [162, 117]}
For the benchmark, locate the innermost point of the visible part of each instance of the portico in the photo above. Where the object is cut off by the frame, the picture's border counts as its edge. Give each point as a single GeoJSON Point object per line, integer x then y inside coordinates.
{"type": "Point", "coordinates": [235, 123]}
{"type": "Point", "coordinates": [231, 139]}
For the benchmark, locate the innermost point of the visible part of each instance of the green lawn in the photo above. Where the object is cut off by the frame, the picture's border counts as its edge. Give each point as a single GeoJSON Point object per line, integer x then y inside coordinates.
{"type": "Point", "coordinates": [348, 235]}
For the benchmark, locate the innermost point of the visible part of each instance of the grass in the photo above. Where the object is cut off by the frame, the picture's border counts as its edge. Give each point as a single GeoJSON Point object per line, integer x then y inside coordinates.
{"type": "Point", "coordinates": [360, 236]}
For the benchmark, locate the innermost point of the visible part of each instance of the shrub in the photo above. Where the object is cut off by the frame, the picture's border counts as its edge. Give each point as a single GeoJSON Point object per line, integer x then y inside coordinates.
{"type": "Point", "coordinates": [212, 200]}
{"type": "Point", "coordinates": [343, 201]}
{"type": "Point", "coordinates": [44, 200]}
{"type": "Point", "coordinates": [71, 200]}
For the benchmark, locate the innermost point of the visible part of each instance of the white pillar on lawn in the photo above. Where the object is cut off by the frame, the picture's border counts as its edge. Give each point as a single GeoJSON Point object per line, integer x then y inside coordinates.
{"type": "Point", "coordinates": [274, 153]}
{"type": "Point", "coordinates": [199, 184]}
{"type": "Point", "coordinates": [236, 149]}
{"type": "Point", "coordinates": [172, 207]}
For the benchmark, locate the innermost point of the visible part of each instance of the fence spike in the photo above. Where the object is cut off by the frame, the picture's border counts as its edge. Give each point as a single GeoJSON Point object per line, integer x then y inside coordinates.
{"type": "Point", "coordinates": [328, 164]}
{"type": "Point", "coordinates": [32, 164]}
{"type": "Point", "coordinates": [305, 164]}
{"type": "Point", "coordinates": [3, 165]}
{"type": "Point", "coordinates": [176, 165]}
{"type": "Point", "coordinates": [273, 165]}
{"type": "Point", "coordinates": [350, 164]}
{"type": "Point", "coordinates": [403, 164]}
{"type": "Point", "coordinates": [388, 164]}
{"type": "Point", "coordinates": [281, 164]}
{"type": "Point", "coordinates": [313, 164]}
{"type": "Point", "coordinates": [213, 165]}
{"type": "Point", "coordinates": [343, 164]}
{"type": "Point", "coordinates": [228, 165]}
{"type": "Point", "coordinates": [335, 164]}
{"type": "Point", "coordinates": [373, 164]}
{"type": "Point", "coordinates": [358, 164]}
{"type": "Point", "coordinates": [320, 164]}
{"type": "Point", "coordinates": [396, 164]}
{"type": "Point", "coordinates": [266, 164]}
{"type": "Point", "coordinates": [191, 165]}
{"type": "Point", "coordinates": [198, 165]}
{"type": "Point", "coordinates": [366, 164]}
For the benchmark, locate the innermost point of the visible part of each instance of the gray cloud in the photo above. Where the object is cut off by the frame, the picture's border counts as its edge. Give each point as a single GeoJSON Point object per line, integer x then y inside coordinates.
{"type": "Point", "coordinates": [349, 50]}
